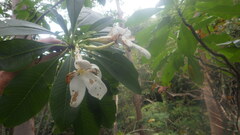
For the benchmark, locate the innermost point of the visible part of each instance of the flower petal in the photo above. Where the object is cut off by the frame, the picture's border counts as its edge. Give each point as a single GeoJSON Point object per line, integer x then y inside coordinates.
{"type": "Point", "coordinates": [82, 64]}
{"type": "Point", "coordinates": [95, 70]}
{"type": "Point", "coordinates": [77, 91]}
{"type": "Point", "coordinates": [94, 84]}
{"type": "Point", "coordinates": [142, 50]}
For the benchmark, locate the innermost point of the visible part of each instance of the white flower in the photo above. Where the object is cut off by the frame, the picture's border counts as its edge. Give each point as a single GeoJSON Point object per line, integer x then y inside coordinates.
{"type": "Point", "coordinates": [88, 76]}
{"type": "Point", "coordinates": [127, 38]}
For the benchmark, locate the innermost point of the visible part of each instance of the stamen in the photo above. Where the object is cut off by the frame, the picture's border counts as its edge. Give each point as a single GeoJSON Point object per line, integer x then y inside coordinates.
{"type": "Point", "coordinates": [80, 71]}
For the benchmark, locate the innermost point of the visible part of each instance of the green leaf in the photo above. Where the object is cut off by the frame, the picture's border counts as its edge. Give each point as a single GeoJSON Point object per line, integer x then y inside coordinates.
{"type": "Point", "coordinates": [203, 23]}
{"type": "Point", "coordinates": [172, 66]}
{"type": "Point", "coordinates": [194, 71]}
{"type": "Point", "coordinates": [187, 44]}
{"type": "Point", "coordinates": [159, 61]}
{"type": "Point", "coordinates": [107, 78]}
{"type": "Point", "coordinates": [208, 4]}
{"type": "Point", "coordinates": [19, 27]}
{"type": "Point", "coordinates": [120, 68]}
{"type": "Point", "coordinates": [232, 53]}
{"type": "Point", "coordinates": [160, 37]}
{"type": "Point", "coordinates": [18, 53]}
{"type": "Point", "coordinates": [141, 16]}
{"type": "Point", "coordinates": [214, 39]}
{"type": "Point", "coordinates": [143, 37]}
{"type": "Point", "coordinates": [62, 113]}
{"type": "Point", "coordinates": [104, 110]}
{"type": "Point", "coordinates": [1, 11]}
{"type": "Point", "coordinates": [88, 3]}
{"type": "Point", "coordinates": [27, 93]}
{"type": "Point", "coordinates": [85, 124]}
{"type": "Point", "coordinates": [60, 21]}
{"type": "Point", "coordinates": [224, 11]}
{"type": "Point", "coordinates": [101, 24]}
{"type": "Point", "coordinates": [108, 110]}
{"type": "Point", "coordinates": [74, 7]}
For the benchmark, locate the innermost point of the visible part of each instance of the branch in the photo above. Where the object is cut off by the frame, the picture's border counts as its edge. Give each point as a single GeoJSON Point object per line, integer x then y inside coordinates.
{"type": "Point", "coordinates": [137, 130]}
{"type": "Point", "coordinates": [46, 12]}
{"type": "Point", "coordinates": [227, 62]}
{"type": "Point", "coordinates": [182, 94]}
{"type": "Point", "coordinates": [213, 66]}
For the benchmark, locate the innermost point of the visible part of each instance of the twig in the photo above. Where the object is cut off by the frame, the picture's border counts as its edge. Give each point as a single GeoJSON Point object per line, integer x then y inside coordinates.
{"type": "Point", "coordinates": [182, 94]}
{"type": "Point", "coordinates": [150, 101]}
{"type": "Point", "coordinates": [205, 46]}
{"type": "Point", "coordinates": [137, 130]}
{"type": "Point", "coordinates": [46, 12]}
{"type": "Point", "coordinates": [213, 66]}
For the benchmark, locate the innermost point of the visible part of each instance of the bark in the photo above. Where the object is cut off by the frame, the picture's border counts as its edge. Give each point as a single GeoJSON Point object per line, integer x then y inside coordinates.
{"type": "Point", "coordinates": [26, 128]}
{"type": "Point", "coordinates": [215, 114]}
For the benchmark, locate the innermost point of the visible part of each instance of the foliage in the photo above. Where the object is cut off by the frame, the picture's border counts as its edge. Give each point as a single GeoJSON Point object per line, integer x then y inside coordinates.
{"type": "Point", "coordinates": [182, 34]}
{"type": "Point", "coordinates": [173, 45]}
{"type": "Point", "coordinates": [42, 69]}
{"type": "Point", "coordinates": [164, 114]}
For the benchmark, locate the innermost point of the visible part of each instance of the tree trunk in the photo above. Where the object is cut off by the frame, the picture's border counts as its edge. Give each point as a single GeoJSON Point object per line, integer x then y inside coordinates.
{"type": "Point", "coordinates": [215, 114]}
{"type": "Point", "coordinates": [26, 128]}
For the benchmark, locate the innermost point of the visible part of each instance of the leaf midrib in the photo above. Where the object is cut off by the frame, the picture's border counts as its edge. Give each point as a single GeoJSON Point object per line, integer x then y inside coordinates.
{"type": "Point", "coordinates": [28, 51]}
{"type": "Point", "coordinates": [9, 26]}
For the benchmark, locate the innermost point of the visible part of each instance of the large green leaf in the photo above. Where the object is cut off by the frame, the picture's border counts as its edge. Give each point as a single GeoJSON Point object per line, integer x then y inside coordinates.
{"type": "Point", "coordinates": [143, 37]}
{"type": "Point", "coordinates": [160, 37]}
{"type": "Point", "coordinates": [231, 52]}
{"type": "Point", "coordinates": [74, 7]}
{"type": "Point", "coordinates": [19, 27]}
{"type": "Point", "coordinates": [141, 16]}
{"type": "Point", "coordinates": [104, 110]}
{"type": "Point", "coordinates": [194, 70]}
{"type": "Point", "coordinates": [27, 93]}
{"type": "Point", "coordinates": [60, 21]}
{"type": "Point", "coordinates": [101, 24]}
{"type": "Point", "coordinates": [187, 44]}
{"type": "Point", "coordinates": [120, 68]}
{"type": "Point", "coordinates": [224, 11]}
{"type": "Point", "coordinates": [220, 8]}
{"type": "Point", "coordinates": [171, 67]}
{"type": "Point", "coordinates": [18, 53]}
{"type": "Point", "coordinates": [159, 61]}
{"type": "Point", "coordinates": [208, 4]}
{"type": "Point", "coordinates": [86, 124]}
{"type": "Point", "coordinates": [107, 78]}
{"type": "Point", "coordinates": [108, 111]}
{"type": "Point", "coordinates": [62, 113]}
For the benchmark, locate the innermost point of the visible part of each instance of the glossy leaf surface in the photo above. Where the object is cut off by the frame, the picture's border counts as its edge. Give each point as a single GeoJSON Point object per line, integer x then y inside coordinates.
{"type": "Point", "coordinates": [18, 53]}
{"type": "Point", "coordinates": [62, 113]}
{"type": "Point", "coordinates": [121, 69]}
{"type": "Point", "coordinates": [27, 93]}
{"type": "Point", "coordinates": [20, 27]}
